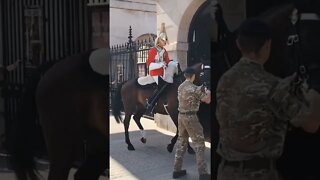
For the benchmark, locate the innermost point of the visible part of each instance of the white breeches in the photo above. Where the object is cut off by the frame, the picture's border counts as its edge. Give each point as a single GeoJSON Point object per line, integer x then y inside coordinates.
{"type": "Point", "coordinates": [169, 72]}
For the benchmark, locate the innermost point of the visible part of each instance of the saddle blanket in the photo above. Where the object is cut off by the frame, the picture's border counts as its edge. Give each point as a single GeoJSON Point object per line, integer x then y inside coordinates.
{"type": "Point", "coordinates": [146, 80]}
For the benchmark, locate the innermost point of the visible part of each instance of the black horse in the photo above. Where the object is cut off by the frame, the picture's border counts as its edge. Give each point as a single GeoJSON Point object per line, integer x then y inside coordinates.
{"type": "Point", "coordinates": [132, 97]}
{"type": "Point", "coordinates": [294, 49]}
{"type": "Point", "coordinates": [71, 102]}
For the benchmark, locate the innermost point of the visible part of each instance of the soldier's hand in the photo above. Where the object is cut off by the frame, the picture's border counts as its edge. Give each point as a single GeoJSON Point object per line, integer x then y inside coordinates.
{"type": "Point", "coordinates": [203, 88]}
{"type": "Point", "coordinates": [292, 77]}
{"type": "Point", "coordinates": [311, 95]}
{"type": "Point", "coordinates": [313, 119]}
{"type": "Point", "coordinates": [207, 98]}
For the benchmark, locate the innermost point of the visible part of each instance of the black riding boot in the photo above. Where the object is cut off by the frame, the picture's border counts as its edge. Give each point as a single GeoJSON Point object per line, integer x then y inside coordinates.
{"type": "Point", "coordinates": [154, 98]}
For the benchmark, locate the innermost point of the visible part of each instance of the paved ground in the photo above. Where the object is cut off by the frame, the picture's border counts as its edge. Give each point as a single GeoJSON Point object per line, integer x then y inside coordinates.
{"type": "Point", "coordinates": [44, 174]}
{"type": "Point", "coordinates": [6, 174]}
{"type": "Point", "coordinates": [150, 160]}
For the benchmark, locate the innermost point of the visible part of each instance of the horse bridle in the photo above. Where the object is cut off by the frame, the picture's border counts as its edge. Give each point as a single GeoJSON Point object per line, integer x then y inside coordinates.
{"type": "Point", "coordinates": [202, 73]}
{"type": "Point", "coordinates": [293, 42]}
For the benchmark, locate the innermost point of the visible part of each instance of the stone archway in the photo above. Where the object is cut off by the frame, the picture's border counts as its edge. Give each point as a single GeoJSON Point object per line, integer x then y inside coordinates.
{"type": "Point", "coordinates": [202, 34]}
{"type": "Point", "coordinates": [183, 31]}
{"type": "Point", "coordinates": [177, 21]}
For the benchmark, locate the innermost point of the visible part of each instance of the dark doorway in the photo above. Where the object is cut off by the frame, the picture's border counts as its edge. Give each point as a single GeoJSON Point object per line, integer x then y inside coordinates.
{"type": "Point", "coordinates": [201, 35]}
{"type": "Point", "coordinates": [200, 39]}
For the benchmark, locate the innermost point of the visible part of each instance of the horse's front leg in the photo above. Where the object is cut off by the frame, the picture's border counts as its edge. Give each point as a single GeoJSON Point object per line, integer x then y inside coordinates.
{"type": "Point", "coordinates": [126, 124]}
{"type": "Point", "coordinates": [137, 118]}
{"type": "Point", "coordinates": [173, 142]}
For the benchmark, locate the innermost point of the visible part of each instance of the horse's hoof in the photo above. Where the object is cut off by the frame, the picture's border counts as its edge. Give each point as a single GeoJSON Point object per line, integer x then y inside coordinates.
{"type": "Point", "coordinates": [191, 151]}
{"type": "Point", "coordinates": [130, 148]}
{"type": "Point", "coordinates": [170, 148]}
{"type": "Point", "coordinates": [143, 140]}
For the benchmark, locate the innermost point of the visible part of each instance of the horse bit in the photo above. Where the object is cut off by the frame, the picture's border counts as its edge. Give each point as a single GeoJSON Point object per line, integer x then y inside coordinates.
{"type": "Point", "coordinates": [204, 67]}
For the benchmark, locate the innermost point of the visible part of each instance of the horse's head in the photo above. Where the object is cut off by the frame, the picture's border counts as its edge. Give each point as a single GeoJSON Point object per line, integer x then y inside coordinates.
{"type": "Point", "coordinates": [202, 74]}
{"type": "Point", "coordinates": [205, 75]}
{"type": "Point", "coordinates": [295, 39]}
{"type": "Point", "coordinates": [308, 30]}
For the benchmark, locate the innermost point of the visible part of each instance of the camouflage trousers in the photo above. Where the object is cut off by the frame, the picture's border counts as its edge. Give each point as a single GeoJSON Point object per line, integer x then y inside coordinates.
{"type": "Point", "coordinates": [237, 173]}
{"type": "Point", "coordinates": [189, 125]}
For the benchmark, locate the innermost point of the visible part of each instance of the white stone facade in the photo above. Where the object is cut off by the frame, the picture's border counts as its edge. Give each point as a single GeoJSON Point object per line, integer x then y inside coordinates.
{"type": "Point", "coordinates": [177, 16]}
{"type": "Point", "coordinates": [141, 15]}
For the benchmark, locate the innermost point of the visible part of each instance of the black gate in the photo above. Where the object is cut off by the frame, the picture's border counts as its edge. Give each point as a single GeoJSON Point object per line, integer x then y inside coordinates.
{"type": "Point", "coordinates": [128, 61]}
{"type": "Point", "coordinates": [36, 32]}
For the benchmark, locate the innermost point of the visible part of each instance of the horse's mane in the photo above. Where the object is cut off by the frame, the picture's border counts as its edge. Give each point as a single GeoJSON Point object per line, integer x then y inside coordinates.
{"type": "Point", "coordinates": [308, 6]}
{"type": "Point", "coordinates": [277, 15]}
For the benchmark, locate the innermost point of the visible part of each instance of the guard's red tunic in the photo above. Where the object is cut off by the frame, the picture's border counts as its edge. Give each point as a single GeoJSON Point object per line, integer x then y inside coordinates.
{"type": "Point", "coordinates": [152, 59]}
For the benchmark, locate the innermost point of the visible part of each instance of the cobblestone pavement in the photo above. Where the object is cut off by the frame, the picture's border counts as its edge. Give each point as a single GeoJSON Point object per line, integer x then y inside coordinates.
{"type": "Point", "coordinates": [150, 160]}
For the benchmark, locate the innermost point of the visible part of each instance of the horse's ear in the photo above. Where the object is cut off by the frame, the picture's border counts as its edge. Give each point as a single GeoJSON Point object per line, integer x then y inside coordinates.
{"type": "Point", "coordinates": [179, 69]}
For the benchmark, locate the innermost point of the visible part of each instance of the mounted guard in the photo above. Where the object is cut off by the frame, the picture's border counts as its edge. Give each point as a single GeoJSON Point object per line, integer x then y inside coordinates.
{"type": "Point", "coordinates": [161, 68]}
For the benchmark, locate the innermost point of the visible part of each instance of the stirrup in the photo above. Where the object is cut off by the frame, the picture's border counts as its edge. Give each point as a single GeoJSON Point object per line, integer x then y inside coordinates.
{"type": "Point", "coordinates": [149, 108]}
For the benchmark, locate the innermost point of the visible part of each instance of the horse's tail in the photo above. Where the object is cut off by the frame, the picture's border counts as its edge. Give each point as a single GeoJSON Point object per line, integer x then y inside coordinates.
{"type": "Point", "coordinates": [27, 140]}
{"type": "Point", "coordinates": [117, 104]}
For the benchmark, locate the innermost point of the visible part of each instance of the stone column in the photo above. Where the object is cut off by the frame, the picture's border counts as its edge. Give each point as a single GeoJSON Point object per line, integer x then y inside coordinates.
{"type": "Point", "coordinates": [177, 16]}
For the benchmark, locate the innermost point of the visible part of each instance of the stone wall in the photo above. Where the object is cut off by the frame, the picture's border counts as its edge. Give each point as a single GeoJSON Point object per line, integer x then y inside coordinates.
{"type": "Point", "coordinates": [139, 14]}
{"type": "Point", "coordinates": [177, 16]}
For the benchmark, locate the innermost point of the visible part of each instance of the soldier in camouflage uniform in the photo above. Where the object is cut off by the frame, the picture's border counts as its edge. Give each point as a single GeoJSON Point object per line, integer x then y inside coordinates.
{"type": "Point", "coordinates": [190, 96]}
{"type": "Point", "coordinates": [254, 109]}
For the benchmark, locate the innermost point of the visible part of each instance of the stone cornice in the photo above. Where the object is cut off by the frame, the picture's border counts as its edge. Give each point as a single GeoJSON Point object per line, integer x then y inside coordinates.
{"type": "Point", "coordinates": [177, 46]}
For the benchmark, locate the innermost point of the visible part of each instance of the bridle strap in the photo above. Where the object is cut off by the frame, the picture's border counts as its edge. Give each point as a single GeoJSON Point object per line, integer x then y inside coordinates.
{"type": "Point", "coordinates": [202, 74]}
{"type": "Point", "coordinates": [294, 42]}
{"type": "Point", "coordinates": [309, 17]}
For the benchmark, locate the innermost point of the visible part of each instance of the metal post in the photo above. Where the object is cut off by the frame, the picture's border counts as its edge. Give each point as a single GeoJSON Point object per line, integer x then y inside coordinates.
{"type": "Point", "coordinates": [132, 68]}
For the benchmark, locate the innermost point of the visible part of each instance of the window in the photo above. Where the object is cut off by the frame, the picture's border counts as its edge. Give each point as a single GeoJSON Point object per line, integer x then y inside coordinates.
{"type": "Point", "coordinates": [120, 71]}
{"type": "Point", "coordinates": [33, 35]}
{"type": "Point", "coordinates": [144, 42]}
{"type": "Point", "coordinates": [100, 26]}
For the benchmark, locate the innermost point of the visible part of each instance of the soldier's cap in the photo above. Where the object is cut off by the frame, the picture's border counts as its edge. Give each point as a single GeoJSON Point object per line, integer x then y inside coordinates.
{"type": "Point", "coordinates": [189, 70]}
{"type": "Point", "coordinates": [253, 27]}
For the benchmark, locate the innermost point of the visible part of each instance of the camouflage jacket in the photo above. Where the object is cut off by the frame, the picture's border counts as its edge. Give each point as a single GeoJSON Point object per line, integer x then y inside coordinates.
{"type": "Point", "coordinates": [189, 96]}
{"type": "Point", "coordinates": [253, 111]}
